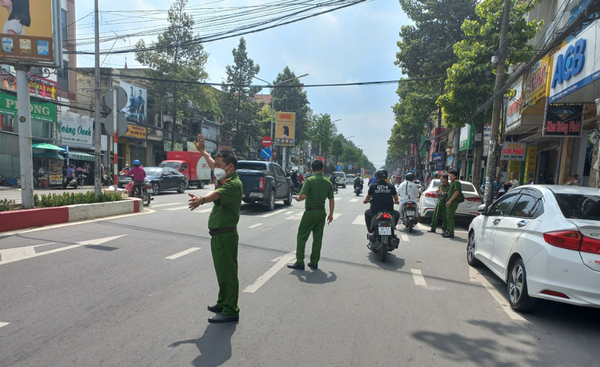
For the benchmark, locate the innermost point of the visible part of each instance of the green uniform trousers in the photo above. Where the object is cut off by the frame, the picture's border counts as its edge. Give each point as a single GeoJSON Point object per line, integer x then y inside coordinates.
{"type": "Point", "coordinates": [224, 249]}
{"type": "Point", "coordinates": [439, 213]}
{"type": "Point", "coordinates": [312, 221]}
{"type": "Point", "coordinates": [449, 217]}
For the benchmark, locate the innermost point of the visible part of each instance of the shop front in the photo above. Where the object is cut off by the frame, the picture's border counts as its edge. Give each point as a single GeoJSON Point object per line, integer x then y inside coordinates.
{"type": "Point", "coordinates": [76, 137]}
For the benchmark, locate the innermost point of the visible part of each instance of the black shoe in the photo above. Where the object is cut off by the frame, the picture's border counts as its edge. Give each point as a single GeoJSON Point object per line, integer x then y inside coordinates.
{"type": "Point", "coordinates": [312, 266]}
{"type": "Point", "coordinates": [297, 266]}
{"type": "Point", "coordinates": [432, 230]}
{"type": "Point", "coordinates": [221, 318]}
{"type": "Point", "coordinates": [447, 235]}
{"type": "Point", "coordinates": [215, 309]}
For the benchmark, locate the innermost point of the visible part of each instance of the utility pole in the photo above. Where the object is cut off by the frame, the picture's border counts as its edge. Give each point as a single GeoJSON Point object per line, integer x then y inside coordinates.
{"type": "Point", "coordinates": [492, 160]}
{"type": "Point", "coordinates": [25, 152]}
{"type": "Point", "coordinates": [97, 132]}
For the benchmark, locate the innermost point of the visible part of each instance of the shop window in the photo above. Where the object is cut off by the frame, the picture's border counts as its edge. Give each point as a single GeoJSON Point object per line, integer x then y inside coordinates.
{"type": "Point", "coordinates": [7, 123]}
{"type": "Point", "coordinates": [63, 76]}
{"type": "Point", "coordinates": [64, 26]}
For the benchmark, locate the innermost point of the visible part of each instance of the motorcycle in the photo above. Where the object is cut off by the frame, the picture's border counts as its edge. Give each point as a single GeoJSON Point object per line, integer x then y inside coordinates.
{"type": "Point", "coordinates": [383, 239]}
{"type": "Point", "coordinates": [145, 194]}
{"type": "Point", "coordinates": [409, 215]}
{"type": "Point", "coordinates": [358, 189]}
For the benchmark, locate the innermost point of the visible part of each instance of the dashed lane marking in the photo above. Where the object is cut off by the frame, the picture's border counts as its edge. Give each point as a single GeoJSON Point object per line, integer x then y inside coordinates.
{"type": "Point", "coordinates": [338, 199]}
{"type": "Point", "coordinates": [418, 277]}
{"type": "Point", "coordinates": [360, 220]}
{"type": "Point", "coordinates": [182, 253]}
{"type": "Point", "coordinates": [405, 238]}
{"type": "Point", "coordinates": [272, 213]}
{"type": "Point", "coordinates": [179, 208]}
{"type": "Point", "coordinates": [289, 212]}
{"type": "Point", "coordinates": [2, 324]}
{"type": "Point", "coordinates": [255, 225]}
{"type": "Point", "coordinates": [202, 210]}
{"type": "Point", "coordinates": [295, 216]}
{"type": "Point", "coordinates": [281, 262]}
{"type": "Point", "coordinates": [336, 216]}
{"type": "Point", "coordinates": [161, 205]}
{"type": "Point", "coordinates": [476, 276]}
{"type": "Point", "coordinates": [353, 200]}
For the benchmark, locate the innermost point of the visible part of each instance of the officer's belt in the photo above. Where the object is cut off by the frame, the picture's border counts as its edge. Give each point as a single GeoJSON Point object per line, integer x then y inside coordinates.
{"type": "Point", "coordinates": [224, 230]}
{"type": "Point", "coordinates": [316, 208]}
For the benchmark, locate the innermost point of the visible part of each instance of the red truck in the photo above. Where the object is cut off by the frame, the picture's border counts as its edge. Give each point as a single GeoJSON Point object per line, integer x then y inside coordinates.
{"type": "Point", "coordinates": [192, 165]}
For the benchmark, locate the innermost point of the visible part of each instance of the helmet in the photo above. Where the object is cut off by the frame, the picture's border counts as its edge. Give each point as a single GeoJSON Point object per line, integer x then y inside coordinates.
{"type": "Point", "coordinates": [136, 163]}
{"type": "Point", "coordinates": [381, 174]}
{"type": "Point", "coordinates": [410, 177]}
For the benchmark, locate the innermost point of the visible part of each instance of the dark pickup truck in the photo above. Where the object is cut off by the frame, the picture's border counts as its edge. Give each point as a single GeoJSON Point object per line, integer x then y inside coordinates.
{"type": "Point", "coordinates": [264, 182]}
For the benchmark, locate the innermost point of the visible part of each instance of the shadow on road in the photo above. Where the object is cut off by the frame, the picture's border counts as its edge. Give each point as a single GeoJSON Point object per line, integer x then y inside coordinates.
{"type": "Point", "coordinates": [317, 276]}
{"type": "Point", "coordinates": [214, 346]}
{"type": "Point", "coordinates": [392, 263]}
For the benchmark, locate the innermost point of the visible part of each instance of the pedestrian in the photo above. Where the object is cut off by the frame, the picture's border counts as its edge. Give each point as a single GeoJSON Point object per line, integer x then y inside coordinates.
{"type": "Point", "coordinates": [572, 181]}
{"type": "Point", "coordinates": [440, 207]}
{"type": "Point", "coordinates": [514, 183]}
{"type": "Point", "coordinates": [222, 223]}
{"type": "Point", "coordinates": [315, 190]}
{"type": "Point", "coordinates": [70, 177]}
{"type": "Point", "coordinates": [454, 191]}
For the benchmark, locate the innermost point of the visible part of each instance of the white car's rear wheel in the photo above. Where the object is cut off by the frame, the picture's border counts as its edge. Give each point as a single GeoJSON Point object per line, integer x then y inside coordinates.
{"type": "Point", "coordinates": [518, 296]}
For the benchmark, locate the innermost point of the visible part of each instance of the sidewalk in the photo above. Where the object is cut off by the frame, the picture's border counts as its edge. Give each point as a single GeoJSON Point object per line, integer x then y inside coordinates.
{"type": "Point", "coordinates": [14, 193]}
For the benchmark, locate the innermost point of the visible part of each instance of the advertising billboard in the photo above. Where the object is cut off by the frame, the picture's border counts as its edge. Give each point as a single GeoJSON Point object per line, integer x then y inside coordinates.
{"type": "Point", "coordinates": [137, 132]}
{"type": "Point", "coordinates": [31, 32]}
{"type": "Point", "coordinates": [75, 130]}
{"type": "Point", "coordinates": [512, 151]}
{"type": "Point", "coordinates": [563, 120]}
{"type": "Point", "coordinates": [285, 129]}
{"type": "Point", "coordinates": [135, 110]}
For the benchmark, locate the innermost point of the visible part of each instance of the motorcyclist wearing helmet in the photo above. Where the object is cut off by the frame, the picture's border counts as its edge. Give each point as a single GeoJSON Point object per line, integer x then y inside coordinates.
{"type": "Point", "coordinates": [408, 191]}
{"type": "Point", "coordinates": [358, 182]}
{"type": "Point", "coordinates": [138, 175]}
{"type": "Point", "coordinates": [384, 197]}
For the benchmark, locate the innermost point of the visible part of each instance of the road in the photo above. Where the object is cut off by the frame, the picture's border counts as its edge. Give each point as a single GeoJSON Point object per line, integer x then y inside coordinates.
{"type": "Point", "coordinates": [133, 291]}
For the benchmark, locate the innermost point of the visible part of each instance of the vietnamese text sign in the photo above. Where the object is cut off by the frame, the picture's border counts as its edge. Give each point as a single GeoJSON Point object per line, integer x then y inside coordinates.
{"type": "Point", "coordinates": [437, 157]}
{"type": "Point", "coordinates": [563, 119]}
{"type": "Point", "coordinates": [286, 128]}
{"type": "Point", "coordinates": [42, 111]}
{"type": "Point", "coordinates": [27, 31]}
{"type": "Point", "coordinates": [75, 130]}
{"type": "Point", "coordinates": [534, 84]}
{"type": "Point", "coordinates": [137, 132]}
{"type": "Point", "coordinates": [513, 113]}
{"type": "Point", "coordinates": [513, 151]}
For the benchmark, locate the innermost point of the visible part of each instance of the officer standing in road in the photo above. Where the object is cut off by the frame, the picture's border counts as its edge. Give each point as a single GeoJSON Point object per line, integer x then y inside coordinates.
{"type": "Point", "coordinates": [222, 223]}
{"type": "Point", "coordinates": [440, 208]}
{"type": "Point", "coordinates": [315, 190]}
{"type": "Point", "coordinates": [453, 193]}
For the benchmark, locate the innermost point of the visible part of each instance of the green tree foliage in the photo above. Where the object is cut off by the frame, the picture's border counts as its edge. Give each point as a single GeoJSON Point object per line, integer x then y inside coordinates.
{"type": "Point", "coordinates": [292, 98]}
{"type": "Point", "coordinates": [174, 57]}
{"type": "Point", "coordinates": [321, 133]}
{"type": "Point", "coordinates": [242, 114]}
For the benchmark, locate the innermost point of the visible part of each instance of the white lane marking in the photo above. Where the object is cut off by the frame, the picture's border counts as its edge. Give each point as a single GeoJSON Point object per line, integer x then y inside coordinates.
{"type": "Point", "coordinates": [180, 208]}
{"type": "Point", "coordinates": [288, 213]}
{"type": "Point", "coordinates": [275, 212]}
{"type": "Point", "coordinates": [255, 225]}
{"type": "Point", "coordinates": [281, 262]}
{"type": "Point", "coordinates": [360, 220]}
{"type": "Point", "coordinates": [182, 253]}
{"type": "Point", "coordinates": [418, 277]}
{"type": "Point", "coordinates": [161, 205]}
{"type": "Point", "coordinates": [338, 199]}
{"type": "Point", "coordinates": [336, 216]}
{"type": "Point", "coordinates": [202, 210]}
{"type": "Point", "coordinates": [21, 253]}
{"type": "Point", "coordinates": [405, 238]}
{"type": "Point", "coordinates": [2, 324]}
{"type": "Point", "coordinates": [353, 200]}
{"type": "Point", "coordinates": [295, 216]}
{"type": "Point", "coordinates": [476, 276]}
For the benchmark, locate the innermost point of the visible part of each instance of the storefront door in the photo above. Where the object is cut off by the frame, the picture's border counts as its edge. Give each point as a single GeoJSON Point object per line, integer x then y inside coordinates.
{"type": "Point", "coordinates": [547, 166]}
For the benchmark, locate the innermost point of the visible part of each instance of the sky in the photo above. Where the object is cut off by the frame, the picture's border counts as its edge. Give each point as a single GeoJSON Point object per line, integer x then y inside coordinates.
{"type": "Point", "coordinates": [354, 44]}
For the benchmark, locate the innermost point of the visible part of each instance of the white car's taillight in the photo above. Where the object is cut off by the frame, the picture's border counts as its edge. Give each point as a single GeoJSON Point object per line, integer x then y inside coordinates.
{"type": "Point", "coordinates": [573, 240]}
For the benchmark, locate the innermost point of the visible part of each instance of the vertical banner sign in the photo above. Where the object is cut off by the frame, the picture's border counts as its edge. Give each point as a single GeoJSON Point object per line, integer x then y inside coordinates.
{"type": "Point", "coordinates": [563, 120]}
{"type": "Point", "coordinates": [31, 32]}
{"type": "Point", "coordinates": [285, 129]}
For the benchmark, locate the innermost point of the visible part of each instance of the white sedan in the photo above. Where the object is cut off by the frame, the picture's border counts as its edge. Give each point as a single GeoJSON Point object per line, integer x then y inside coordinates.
{"type": "Point", "coordinates": [467, 209]}
{"type": "Point", "coordinates": [544, 242]}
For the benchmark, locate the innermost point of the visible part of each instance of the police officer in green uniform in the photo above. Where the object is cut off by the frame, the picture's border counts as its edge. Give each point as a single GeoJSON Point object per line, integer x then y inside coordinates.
{"type": "Point", "coordinates": [453, 192]}
{"type": "Point", "coordinates": [315, 190]}
{"type": "Point", "coordinates": [440, 208]}
{"type": "Point", "coordinates": [222, 223]}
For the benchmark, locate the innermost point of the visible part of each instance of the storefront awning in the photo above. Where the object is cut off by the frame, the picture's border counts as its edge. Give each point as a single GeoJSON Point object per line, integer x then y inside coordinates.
{"type": "Point", "coordinates": [53, 155]}
{"type": "Point", "coordinates": [47, 147]}
{"type": "Point", "coordinates": [79, 156]}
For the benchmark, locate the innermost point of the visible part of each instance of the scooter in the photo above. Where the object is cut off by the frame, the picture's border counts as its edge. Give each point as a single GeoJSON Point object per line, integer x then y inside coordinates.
{"type": "Point", "coordinates": [383, 239]}
{"type": "Point", "coordinates": [146, 194]}
{"type": "Point", "coordinates": [358, 189]}
{"type": "Point", "coordinates": [409, 215]}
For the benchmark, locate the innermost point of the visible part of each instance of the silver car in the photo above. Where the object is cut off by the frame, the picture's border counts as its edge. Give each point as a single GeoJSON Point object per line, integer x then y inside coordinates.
{"type": "Point", "coordinates": [468, 209]}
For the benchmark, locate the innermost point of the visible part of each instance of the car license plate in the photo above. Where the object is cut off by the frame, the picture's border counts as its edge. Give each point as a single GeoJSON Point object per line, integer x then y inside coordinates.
{"type": "Point", "coordinates": [410, 212]}
{"type": "Point", "coordinates": [385, 231]}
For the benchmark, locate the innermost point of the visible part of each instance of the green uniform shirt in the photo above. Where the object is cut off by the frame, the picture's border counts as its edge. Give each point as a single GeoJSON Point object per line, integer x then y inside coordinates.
{"type": "Point", "coordinates": [317, 188]}
{"type": "Point", "coordinates": [226, 211]}
{"type": "Point", "coordinates": [444, 188]}
{"type": "Point", "coordinates": [454, 187]}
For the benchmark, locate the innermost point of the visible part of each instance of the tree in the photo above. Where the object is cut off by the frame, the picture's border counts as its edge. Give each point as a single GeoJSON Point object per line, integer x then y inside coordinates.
{"type": "Point", "coordinates": [321, 133]}
{"type": "Point", "coordinates": [470, 80]}
{"type": "Point", "coordinates": [241, 112]}
{"type": "Point", "coordinates": [292, 98]}
{"type": "Point", "coordinates": [174, 57]}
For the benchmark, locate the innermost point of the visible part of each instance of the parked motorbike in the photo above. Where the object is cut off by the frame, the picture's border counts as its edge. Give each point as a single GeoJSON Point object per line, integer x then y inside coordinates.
{"type": "Point", "coordinates": [409, 215]}
{"type": "Point", "coordinates": [383, 239]}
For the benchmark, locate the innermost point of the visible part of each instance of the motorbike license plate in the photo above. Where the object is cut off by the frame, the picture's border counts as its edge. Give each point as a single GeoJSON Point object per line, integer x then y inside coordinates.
{"type": "Point", "coordinates": [385, 231]}
{"type": "Point", "coordinates": [410, 213]}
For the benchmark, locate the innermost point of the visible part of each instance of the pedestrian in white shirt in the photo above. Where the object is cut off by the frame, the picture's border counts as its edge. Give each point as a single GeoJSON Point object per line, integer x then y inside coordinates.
{"type": "Point", "coordinates": [408, 191]}
{"type": "Point", "coordinates": [513, 180]}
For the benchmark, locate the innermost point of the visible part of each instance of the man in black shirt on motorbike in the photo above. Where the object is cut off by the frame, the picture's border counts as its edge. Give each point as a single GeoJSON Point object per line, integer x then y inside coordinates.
{"type": "Point", "coordinates": [383, 196]}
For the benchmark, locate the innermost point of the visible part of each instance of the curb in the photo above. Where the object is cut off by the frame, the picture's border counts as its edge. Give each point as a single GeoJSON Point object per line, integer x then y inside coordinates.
{"type": "Point", "coordinates": [27, 218]}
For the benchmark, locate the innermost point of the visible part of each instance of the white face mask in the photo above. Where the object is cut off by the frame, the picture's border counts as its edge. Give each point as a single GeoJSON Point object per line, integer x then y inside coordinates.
{"type": "Point", "coordinates": [220, 173]}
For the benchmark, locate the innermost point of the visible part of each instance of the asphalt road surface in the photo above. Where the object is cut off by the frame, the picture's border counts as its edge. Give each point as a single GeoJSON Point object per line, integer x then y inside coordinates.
{"type": "Point", "coordinates": [133, 291]}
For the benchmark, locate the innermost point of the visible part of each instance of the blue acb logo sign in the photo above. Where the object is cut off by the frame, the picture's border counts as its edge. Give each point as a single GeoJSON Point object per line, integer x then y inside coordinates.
{"type": "Point", "coordinates": [570, 63]}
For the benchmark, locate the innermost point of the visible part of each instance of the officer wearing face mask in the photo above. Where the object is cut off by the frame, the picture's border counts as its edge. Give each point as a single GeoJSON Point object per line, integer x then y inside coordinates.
{"type": "Point", "coordinates": [222, 223]}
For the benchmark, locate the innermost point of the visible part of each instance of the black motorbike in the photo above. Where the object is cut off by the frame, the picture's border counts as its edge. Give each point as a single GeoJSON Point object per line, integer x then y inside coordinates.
{"type": "Point", "coordinates": [145, 194]}
{"type": "Point", "coordinates": [409, 215]}
{"type": "Point", "coordinates": [383, 238]}
{"type": "Point", "coordinates": [358, 188]}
